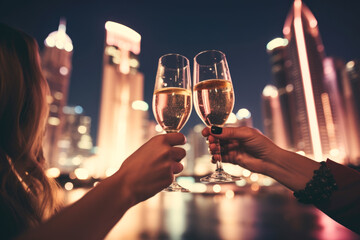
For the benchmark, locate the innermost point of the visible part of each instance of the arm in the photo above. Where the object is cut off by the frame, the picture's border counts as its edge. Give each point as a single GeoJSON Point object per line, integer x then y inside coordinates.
{"type": "Point", "coordinates": [142, 175]}
{"type": "Point", "coordinates": [250, 149]}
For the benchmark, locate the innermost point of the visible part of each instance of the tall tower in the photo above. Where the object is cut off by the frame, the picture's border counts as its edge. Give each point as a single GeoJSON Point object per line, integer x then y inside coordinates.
{"type": "Point", "coordinates": [334, 110]}
{"type": "Point", "coordinates": [274, 126]}
{"type": "Point", "coordinates": [353, 71]}
{"type": "Point", "coordinates": [122, 109]}
{"type": "Point", "coordinates": [306, 55]}
{"type": "Point", "coordinates": [56, 64]}
{"type": "Point", "coordinates": [351, 98]}
{"type": "Point", "coordinates": [277, 50]}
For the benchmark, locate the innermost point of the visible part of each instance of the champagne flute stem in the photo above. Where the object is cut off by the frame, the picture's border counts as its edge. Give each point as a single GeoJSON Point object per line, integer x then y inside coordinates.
{"type": "Point", "coordinates": [219, 165]}
{"type": "Point", "coordinates": [219, 158]}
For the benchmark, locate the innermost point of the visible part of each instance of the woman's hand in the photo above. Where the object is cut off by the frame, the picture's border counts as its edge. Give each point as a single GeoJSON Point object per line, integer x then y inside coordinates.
{"type": "Point", "coordinates": [152, 167]}
{"type": "Point", "coordinates": [252, 150]}
{"type": "Point", "coordinates": [243, 146]}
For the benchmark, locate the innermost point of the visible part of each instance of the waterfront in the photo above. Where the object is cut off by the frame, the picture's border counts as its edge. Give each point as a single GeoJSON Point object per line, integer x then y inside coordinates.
{"type": "Point", "coordinates": [270, 213]}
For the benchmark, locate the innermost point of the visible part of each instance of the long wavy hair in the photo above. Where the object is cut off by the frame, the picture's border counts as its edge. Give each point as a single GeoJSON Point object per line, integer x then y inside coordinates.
{"type": "Point", "coordinates": [25, 190]}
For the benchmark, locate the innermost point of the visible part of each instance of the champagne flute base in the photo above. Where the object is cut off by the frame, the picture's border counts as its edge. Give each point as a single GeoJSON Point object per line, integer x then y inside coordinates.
{"type": "Point", "coordinates": [175, 187]}
{"type": "Point", "coordinates": [219, 176]}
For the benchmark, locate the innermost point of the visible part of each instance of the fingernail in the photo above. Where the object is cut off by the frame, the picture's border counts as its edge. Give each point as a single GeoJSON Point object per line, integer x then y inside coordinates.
{"type": "Point", "coordinates": [216, 130]}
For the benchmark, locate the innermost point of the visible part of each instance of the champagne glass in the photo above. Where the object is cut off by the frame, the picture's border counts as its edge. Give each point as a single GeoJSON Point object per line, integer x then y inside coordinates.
{"type": "Point", "coordinates": [172, 102]}
{"type": "Point", "coordinates": [213, 100]}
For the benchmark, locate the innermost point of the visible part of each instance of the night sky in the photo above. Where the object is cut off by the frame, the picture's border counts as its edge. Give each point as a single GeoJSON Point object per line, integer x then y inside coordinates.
{"type": "Point", "coordinates": [241, 29]}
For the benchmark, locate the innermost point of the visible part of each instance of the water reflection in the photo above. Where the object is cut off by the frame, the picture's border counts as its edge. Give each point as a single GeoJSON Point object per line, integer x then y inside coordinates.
{"type": "Point", "coordinates": [271, 214]}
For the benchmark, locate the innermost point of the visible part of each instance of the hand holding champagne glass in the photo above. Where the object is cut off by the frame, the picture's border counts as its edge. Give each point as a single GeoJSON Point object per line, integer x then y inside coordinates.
{"type": "Point", "coordinates": [172, 102]}
{"type": "Point", "coordinates": [213, 99]}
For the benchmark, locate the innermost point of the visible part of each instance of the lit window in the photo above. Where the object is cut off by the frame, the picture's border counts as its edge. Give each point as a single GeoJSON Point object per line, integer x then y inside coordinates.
{"type": "Point", "coordinates": [64, 71]}
{"type": "Point", "coordinates": [58, 95]}
{"type": "Point", "coordinates": [243, 113]}
{"type": "Point", "coordinates": [140, 105]}
{"type": "Point", "coordinates": [69, 186]}
{"type": "Point", "coordinates": [78, 109]}
{"type": "Point", "coordinates": [49, 99]}
{"type": "Point", "coordinates": [53, 172]}
{"type": "Point", "coordinates": [81, 173]}
{"type": "Point", "coordinates": [82, 129]}
{"type": "Point", "coordinates": [232, 118]}
{"type": "Point", "coordinates": [134, 63]}
{"type": "Point", "coordinates": [54, 121]}
{"type": "Point", "coordinates": [54, 108]}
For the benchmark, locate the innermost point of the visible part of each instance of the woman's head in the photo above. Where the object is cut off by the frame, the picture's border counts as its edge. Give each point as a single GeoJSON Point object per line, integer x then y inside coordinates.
{"type": "Point", "coordinates": [23, 114]}
{"type": "Point", "coordinates": [23, 108]}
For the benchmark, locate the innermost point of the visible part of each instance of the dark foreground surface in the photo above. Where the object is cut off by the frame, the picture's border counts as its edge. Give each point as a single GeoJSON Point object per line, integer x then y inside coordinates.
{"type": "Point", "coordinates": [266, 214]}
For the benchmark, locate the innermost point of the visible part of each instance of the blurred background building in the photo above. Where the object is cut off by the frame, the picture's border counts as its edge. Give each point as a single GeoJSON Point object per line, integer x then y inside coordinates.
{"type": "Point", "coordinates": [56, 65]}
{"type": "Point", "coordinates": [350, 85]}
{"type": "Point", "coordinates": [123, 111]}
{"type": "Point", "coordinates": [310, 93]}
{"type": "Point", "coordinates": [75, 144]}
{"type": "Point", "coordinates": [274, 118]}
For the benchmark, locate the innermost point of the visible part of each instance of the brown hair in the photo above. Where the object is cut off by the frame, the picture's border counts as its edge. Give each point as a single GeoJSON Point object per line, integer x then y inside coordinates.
{"type": "Point", "coordinates": [25, 190]}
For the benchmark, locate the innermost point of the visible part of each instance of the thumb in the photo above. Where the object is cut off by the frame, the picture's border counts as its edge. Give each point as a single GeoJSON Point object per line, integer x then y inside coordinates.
{"type": "Point", "coordinates": [228, 133]}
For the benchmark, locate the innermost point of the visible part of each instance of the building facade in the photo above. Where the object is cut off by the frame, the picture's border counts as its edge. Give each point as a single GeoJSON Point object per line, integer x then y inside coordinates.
{"type": "Point", "coordinates": [122, 110]}
{"type": "Point", "coordinates": [75, 144]}
{"type": "Point", "coordinates": [273, 117]}
{"type": "Point", "coordinates": [56, 65]}
{"type": "Point", "coordinates": [280, 64]}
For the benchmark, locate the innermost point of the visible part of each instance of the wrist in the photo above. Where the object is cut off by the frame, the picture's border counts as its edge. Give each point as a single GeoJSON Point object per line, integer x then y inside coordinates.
{"type": "Point", "coordinates": [274, 160]}
{"type": "Point", "coordinates": [124, 195]}
{"type": "Point", "coordinates": [291, 169]}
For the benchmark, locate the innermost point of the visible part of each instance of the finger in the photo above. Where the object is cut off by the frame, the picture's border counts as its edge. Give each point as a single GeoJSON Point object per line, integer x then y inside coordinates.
{"type": "Point", "coordinates": [178, 153]}
{"type": "Point", "coordinates": [174, 139]}
{"type": "Point", "coordinates": [231, 146]}
{"type": "Point", "coordinates": [212, 139]}
{"type": "Point", "coordinates": [206, 132]}
{"type": "Point", "coordinates": [229, 157]}
{"type": "Point", "coordinates": [177, 167]}
{"type": "Point", "coordinates": [240, 133]}
{"type": "Point", "coordinates": [216, 158]}
{"type": "Point", "coordinates": [214, 148]}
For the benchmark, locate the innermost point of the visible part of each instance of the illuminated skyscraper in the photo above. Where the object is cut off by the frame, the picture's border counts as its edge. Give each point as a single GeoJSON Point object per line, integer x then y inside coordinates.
{"type": "Point", "coordinates": [306, 55]}
{"type": "Point", "coordinates": [353, 72]}
{"type": "Point", "coordinates": [75, 143]}
{"type": "Point", "coordinates": [351, 98]}
{"type": "Point", "coordinates": [277, 50]}
{"type": "Point", "coordinates": [56, 65]}
{"type": "Point", "coordinates": [334, 109]}
{"type": "Point", "coordinates": [274, 126]}
{"type": "Point", "coordinates": [122, 110]}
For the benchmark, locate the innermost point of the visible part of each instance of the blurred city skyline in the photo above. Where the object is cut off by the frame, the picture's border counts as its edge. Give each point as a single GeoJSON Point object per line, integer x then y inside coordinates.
{"type": "Point", "coordinates": [241, 31]}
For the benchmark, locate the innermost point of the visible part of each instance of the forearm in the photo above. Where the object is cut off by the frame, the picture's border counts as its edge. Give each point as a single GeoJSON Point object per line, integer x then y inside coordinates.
{"type": "Point", "coordinates": [291, 169]}
{"type": "Point", "coordinates": [92, 217]}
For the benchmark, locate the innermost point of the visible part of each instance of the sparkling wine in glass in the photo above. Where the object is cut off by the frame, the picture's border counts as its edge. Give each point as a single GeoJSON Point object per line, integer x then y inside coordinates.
{"type": "Point", "coordinates": [213, 100]}
{"type": "Point", "coordinates": [172, 99]}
